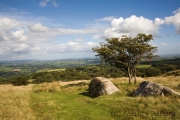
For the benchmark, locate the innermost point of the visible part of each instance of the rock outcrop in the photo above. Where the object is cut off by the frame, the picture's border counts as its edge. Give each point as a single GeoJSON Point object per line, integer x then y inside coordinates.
{"type": "Point", "coordinates": [148, 88]}
{"type": "Point", "coordinates": [101, 86]}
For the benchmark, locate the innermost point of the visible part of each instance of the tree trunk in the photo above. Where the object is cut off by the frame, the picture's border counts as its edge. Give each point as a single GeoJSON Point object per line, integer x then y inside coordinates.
{"type": "Point", "coordinates": [135, 79]}
{"type": "Point", "coordinates": [134, 75]}
{"type": "Point", "coordinates": [130, 78]}
{"type": "Point", "coordinates": [129, 74]}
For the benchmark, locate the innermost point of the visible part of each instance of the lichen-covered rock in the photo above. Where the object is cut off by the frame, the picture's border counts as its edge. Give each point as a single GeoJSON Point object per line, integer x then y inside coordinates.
{"type": "Point", "coordinates": [148, 88]}
{"type": "Point", "coordinates": [101, 86]}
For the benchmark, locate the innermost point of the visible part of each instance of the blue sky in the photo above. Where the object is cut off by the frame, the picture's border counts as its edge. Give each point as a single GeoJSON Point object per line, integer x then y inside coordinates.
{"type": "Point", "coordinates": [58, 29]}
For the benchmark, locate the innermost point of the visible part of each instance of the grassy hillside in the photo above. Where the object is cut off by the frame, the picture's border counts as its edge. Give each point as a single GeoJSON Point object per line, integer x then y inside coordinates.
{"type": "Point", "coordinates": [64, 101]}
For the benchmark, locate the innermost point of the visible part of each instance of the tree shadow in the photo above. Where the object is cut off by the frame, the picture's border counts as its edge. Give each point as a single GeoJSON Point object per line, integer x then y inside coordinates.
{"type": "Point", "coordinates": [85, 93]}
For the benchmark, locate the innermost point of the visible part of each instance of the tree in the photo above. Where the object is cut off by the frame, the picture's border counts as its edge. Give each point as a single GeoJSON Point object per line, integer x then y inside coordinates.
{"type": "Point", "coordinates": [127, 52]}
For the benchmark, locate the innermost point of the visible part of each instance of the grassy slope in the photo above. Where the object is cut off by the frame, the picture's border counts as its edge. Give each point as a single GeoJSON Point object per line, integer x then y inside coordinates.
{"type": "Point", "coordinates": [14, 103]}
{"type": "Point", "coordinates": [72, 102]}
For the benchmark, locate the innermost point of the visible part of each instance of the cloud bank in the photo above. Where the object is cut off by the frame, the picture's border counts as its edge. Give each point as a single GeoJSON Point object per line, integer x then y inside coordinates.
{"type": "Point", "coordinates": [19, 39]}
{"type": "Point", "coordinates": [133, 25]}
{"type": "Point", "coordinates": [24, 39]}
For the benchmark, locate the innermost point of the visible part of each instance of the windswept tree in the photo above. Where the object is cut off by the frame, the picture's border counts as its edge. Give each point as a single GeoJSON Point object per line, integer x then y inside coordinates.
{"type": "Point", "coordinates": [126, 53]}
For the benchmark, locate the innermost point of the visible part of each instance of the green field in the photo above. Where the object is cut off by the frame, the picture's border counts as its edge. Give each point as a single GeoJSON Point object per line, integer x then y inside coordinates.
{"type": "Point", "coordinates": [50, 70]}
{"type": "Point", "coordinates": [143, 66]}
{"type": "Point", "coordinates": [71, 102]}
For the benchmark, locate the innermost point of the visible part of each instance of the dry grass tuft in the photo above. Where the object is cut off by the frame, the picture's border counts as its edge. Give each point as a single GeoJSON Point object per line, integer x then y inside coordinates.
{"type": "Point", "coordinates": [14, 103]}
{"type": "Point", "coordinates": [47, 87]}
{"type": "Point", "coordinates": [169, 81]}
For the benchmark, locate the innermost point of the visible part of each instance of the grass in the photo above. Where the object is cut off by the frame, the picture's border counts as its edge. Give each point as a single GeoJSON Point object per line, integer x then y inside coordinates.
{"type": "Point", "coordinates": [14, 103]}
{"type": "Point", "coordinates": [72, 102]}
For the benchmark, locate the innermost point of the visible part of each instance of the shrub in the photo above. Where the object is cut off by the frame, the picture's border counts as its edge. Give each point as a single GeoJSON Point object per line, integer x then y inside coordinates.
{"type": "Point", "coordinates": [21, 80]}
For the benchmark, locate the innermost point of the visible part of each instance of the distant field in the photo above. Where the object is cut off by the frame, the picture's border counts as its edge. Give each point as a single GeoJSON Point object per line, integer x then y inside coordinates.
{"type": "Point", "coordinates": [5, 69]}
{"type": "Point", "coordinates": [56, 70]}
{"type": "Point", "coordinates": [50, 70]}
{"type": "Point", "coordinates": [143, 66]}
{"type": "Point", "coordinates": [55, 102]}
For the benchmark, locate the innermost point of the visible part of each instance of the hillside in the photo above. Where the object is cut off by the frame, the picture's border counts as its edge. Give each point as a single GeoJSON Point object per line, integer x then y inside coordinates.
{"type": "Point", "coordinates": [70, 100]}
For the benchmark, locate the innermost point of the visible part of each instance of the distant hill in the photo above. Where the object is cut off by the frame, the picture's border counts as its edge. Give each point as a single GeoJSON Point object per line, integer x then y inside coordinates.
{"type": "Point", "coordinates": [170, 56]}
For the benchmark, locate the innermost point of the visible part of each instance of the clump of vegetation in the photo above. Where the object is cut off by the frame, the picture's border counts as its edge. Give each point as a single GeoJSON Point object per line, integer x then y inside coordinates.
{"type": "Point", "coordinates": [46, 87]}
{"type": "Point", "coordinates": [20, 80]}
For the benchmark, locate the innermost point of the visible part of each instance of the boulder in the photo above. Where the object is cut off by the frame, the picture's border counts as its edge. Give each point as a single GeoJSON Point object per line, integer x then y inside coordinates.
{"type": "Point", "coordinates": [148, 88]}
{"type": "Point", "coordinates": [101, 86]}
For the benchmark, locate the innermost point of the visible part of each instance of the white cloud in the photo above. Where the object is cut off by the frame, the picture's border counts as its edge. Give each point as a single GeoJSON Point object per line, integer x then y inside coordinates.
{"type": "Point", "coordinates": [38, 28]}
{"type": "Point", "coordinates": [6, 25]}
{"type": "Point", "coordinates": [176, 11]}
{"type": "Point", "coordinates": [11, 29]}
{"type": "Point", "coordinates": [54, 3]}
{"type": "Point", "coordinates": [175, 20]}
{"type": "Point", "coordinates": [75, 31]}
{"type": "Point", "coordinates": [19, 35]}
{"type": "Point", "coordinates": [21, 40]}
{"type": "Point", "coordinates": [79, 40]}
{"type": "Point", "coordinates": [107, 19]}
{"type": "Point", "coordinates": [70, 47]}
{"type": "Point", "coordinates": [132, 26]}
{"type": "Point", "coordinates": [44, 3]}
{"type": "Point", "coordinates": [73, 46]}
{"type": "Point", "coordinates": [158, 21]}
{"type": "Point", "coordinates": [76, 46]}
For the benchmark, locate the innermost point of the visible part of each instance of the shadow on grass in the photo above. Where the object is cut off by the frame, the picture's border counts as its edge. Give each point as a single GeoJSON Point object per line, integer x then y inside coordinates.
{"type": "Point", "coordinates": [85, 93]}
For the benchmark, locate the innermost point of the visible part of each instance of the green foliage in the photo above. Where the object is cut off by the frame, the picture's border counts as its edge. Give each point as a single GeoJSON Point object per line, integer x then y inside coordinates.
{"type": "Point", "coordinates": [20, 80]}
{"type": "Point", "coordinates": [148, 72]}
{"type": "Point", "coordinates": [78, 73]}
{"type": "Point", "coordinates": [3, 81]}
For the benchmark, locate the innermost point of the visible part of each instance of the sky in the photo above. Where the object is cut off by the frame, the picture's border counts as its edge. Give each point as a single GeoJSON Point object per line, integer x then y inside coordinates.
{"type": "Point", "coordinates": [61, 29]}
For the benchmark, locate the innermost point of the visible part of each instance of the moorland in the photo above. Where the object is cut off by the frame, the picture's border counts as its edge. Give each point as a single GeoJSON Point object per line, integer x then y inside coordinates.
{"type": "Point", "coordinates": [57, 90]}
